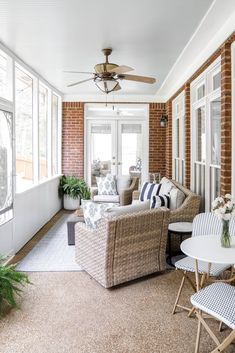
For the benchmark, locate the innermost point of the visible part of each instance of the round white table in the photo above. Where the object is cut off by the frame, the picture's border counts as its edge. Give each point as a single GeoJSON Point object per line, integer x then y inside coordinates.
{"type": "Point", "coordinates": [208, 248]}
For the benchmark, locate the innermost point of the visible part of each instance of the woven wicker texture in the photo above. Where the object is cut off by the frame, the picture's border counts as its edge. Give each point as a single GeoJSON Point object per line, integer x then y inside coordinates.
{"type": "Point", "coordinates": [124, 248]}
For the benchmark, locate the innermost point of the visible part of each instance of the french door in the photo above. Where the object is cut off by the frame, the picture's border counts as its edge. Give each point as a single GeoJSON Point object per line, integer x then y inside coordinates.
{"type": "Point", "coordinates": [115, 146]}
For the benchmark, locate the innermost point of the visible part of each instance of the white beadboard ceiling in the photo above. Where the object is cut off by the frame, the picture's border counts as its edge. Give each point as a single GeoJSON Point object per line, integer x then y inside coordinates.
{"type": "Point", "coordinates": [56, 35]}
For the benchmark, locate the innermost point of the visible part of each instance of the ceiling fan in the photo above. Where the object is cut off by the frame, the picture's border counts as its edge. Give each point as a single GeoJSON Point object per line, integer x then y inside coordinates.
{"type": "Point", "coordinates": [107, 75]}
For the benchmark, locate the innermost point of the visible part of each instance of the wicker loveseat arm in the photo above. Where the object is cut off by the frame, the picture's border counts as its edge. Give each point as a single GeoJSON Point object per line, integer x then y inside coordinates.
{"type": "Point", "coordinates": [126, 195]}
{"type": "Point", "coordinates": [135, 195]}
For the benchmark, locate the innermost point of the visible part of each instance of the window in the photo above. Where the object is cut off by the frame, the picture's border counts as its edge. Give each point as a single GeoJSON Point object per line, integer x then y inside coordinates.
{"type": "Point", "coordinates": [201, 92]}
{"type": "Point", "coordinates": [5, 75]}
{"type": "Point", "coordinates": [23, 129]}
{"type": "Point", "coordinates": [43, 116]}
{"type": "Point", "coordinates": [54, 130]}
{"type": "Point", "coordinates": [178, 108]}
{"type": "Point", "coordinates": [201, 130]}
{"type": "Point", "coordinates": [206, 134]}
{"type": "Point", "coordinates": [6, 158]}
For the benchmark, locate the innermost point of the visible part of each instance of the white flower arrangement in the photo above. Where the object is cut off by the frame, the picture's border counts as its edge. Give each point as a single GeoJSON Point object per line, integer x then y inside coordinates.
{"type": "Point", "coordinates": [224, 207]}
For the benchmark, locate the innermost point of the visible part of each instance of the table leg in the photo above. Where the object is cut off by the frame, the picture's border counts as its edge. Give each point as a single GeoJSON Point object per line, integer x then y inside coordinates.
{"type": "Point", "coordinates": [197, 276]}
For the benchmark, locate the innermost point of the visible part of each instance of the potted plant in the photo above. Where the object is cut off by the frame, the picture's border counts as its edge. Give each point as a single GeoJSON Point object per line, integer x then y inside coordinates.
{"type": "Point", "coordinates": [85, 193]}
{"type": "Point", "coordinates": [10, 285]}
{"type": "Point", "coordinates": [73, 189]}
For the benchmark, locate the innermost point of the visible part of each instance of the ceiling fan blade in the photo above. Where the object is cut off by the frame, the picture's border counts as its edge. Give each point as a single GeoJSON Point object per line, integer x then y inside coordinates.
{"type": "Point", "coordinates": [121, 69]}
{"type": "Point", "coordinates": [136, 78]}
{"type": "Point", "coordinates": [78, 83]}
{"type": "Point", "coordinates": [78, 72]}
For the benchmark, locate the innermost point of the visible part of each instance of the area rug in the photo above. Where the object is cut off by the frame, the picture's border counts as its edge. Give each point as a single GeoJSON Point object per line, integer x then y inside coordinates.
{"type": "Point", "coordinates": [52, 252]}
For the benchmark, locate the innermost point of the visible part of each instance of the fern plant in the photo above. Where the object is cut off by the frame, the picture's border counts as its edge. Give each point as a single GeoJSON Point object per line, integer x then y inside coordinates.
{"type": "Point", "coordinates": [10, 284]}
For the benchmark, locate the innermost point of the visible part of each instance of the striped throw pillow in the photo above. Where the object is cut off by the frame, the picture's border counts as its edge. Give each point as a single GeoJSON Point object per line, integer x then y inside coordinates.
{"type": "Point", "coordinates": [148, 190]}
{"type": "Point", "coordinates": [160, 201]}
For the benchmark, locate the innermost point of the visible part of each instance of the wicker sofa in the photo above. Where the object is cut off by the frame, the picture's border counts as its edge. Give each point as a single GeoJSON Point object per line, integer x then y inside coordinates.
{"type": "Point", "coordinates": [123, 248]}
{"type": "Point", "coordinates": [189, 208]}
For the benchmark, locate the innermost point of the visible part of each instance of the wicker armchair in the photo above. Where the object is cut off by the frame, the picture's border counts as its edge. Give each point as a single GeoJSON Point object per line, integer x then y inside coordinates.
{"type": "Point", "coordinates": [123, 198]}
{"type": "Point", "coordinates": [123, 248]}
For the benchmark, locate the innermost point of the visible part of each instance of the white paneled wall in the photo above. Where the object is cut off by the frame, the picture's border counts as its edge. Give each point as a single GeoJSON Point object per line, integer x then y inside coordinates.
{"type": "Point", "coordinates": [32, 209]}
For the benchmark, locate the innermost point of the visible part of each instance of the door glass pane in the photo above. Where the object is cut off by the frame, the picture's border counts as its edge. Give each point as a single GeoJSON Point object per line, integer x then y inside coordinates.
{"type": "Point", "coordinates": [43, 111]}
{"type": "Point", "coordinates": [24, 130]}
{"type": "Point", "coordinates": [131, 145]}
{"type": "Point", "coordinates": [55, 113]}
{"type": "Point", "coordinates": [5, 76]}
{"type": "Point", "coordinates": [201, 135]}
{"type": "Point", "coordinates": [101, 150]}
{"type": "Point", "coordinates": [5, 164]}
{"type": "Point", "coordinates": [215, 131]}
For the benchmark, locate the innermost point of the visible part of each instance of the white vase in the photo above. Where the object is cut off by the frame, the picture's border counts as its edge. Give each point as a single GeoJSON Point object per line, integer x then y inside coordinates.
{"type": "Point", "coordinates": [70, 203]}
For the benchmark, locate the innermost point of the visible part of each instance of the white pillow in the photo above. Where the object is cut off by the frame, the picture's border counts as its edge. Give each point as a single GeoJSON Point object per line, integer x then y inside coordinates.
{"type": "Point", "coordinates": [166, 187]}
{"type": "Point", "coordinates": [177, 197]}
{"type": "Point", "coordinates": [123, 183]}
{"type": "Point", "coordinates": [93, 212]}
{"type": "Point", "coordinates": [106, 185]}
{"type": "Point", "coordinates": [122, 210]}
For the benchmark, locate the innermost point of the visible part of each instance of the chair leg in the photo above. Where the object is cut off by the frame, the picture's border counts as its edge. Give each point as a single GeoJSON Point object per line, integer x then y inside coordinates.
{"type": "Point", "coordinates": [179, 293]}
{"type": "Point", "coordinates": [222, 346]}
{"type": "Point", "coordinates": [198, 337]}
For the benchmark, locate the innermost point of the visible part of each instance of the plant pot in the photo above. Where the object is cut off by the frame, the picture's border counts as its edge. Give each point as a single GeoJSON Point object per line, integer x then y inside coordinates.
{"type": "Point", "coordinates": [70, 203]}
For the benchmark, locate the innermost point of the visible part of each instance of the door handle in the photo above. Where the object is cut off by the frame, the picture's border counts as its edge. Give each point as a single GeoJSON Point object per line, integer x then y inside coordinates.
{"type": "Point", "coordinates": [119, 163]}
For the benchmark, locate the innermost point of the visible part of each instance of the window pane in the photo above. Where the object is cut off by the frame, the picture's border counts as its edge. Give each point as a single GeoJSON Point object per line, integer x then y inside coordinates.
{"type": "Point", "coordinates": [201, 92]}
{"type": "Point", "coordinates": [55, 113]}
{"type": "Point", "coordinates": [216, 81]}
{"type": "Point", "coordinates": [24, 130]}
{"type": "Point", "coordinates": [5, 165]}
{"type": "Point", "coordinates": [215, 132]}
{"type": "Point", "coordinates": [177, 138]}
{"type": "Point", "coordinates": [201, 135]}
{"type": "Point", "coordinates": [43, 115]}
{"type": "Point", "coordinates": [131, 144]}
{"type": "Point", "coordinates": [5, 76]}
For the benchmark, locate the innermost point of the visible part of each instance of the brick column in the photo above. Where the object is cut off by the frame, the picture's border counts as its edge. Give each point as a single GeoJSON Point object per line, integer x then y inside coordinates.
{"type": "Point", "coordinates": [187, 138]}
{"type": "Point", "coordinates": [157, 139]}
{"type": "Point", "coordinates": [226, 119]}
{"type": "Point", "coordinates": [73, 139]}
{"type": "Point", "coordinates": [169, 140]}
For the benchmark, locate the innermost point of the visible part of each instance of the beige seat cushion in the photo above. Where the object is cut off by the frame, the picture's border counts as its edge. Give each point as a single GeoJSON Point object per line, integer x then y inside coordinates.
{"type": "Point", "coordinates": [106, 198]}
{"type": "Point", "coordinates": [122, 210]}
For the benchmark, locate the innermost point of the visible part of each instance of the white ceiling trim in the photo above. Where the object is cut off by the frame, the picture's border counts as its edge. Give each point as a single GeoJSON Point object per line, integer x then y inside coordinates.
{"type": "Point", "coordinates": [113, 98]}
{"type": "Point", "coordinates": [187, 64]}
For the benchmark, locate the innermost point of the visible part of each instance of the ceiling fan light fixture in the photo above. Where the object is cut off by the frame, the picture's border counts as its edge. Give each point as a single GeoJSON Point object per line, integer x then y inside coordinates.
{"type": "Point", "coordinates": [106, 85]}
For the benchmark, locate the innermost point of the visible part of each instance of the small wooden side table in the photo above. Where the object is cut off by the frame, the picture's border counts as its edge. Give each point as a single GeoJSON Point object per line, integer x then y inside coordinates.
{"type": "Point", "coordinates": [180, 229]}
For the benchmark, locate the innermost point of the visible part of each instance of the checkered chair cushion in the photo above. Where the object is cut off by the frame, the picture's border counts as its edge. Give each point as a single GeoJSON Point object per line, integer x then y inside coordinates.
{"type": "Point", "coordinates": [217, 300]}
{"type": "Point", "coordinates": [188, 264]}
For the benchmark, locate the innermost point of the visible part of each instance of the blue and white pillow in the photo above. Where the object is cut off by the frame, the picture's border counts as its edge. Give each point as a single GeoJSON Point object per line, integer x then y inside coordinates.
{"type": "Point", "coordinates": [160, 201]}
{"type": "Point", "coordinates": [94, 212]}
{"type": "Point", "coordinates": [106, 185]}
{"type": "Point", "coordinates": [148, 190]}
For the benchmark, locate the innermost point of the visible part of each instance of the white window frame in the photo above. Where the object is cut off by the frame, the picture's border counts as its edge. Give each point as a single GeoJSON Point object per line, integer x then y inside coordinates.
{"type": "Point", "coordinates": [178, 114]}
{"type": "Point", "coordinates": [203, 186]}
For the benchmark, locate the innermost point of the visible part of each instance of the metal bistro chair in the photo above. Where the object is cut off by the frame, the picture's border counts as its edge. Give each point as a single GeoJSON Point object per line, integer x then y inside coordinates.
{"type": "Point", "coordinates": [217, 300]}
{"type": "Point", "coordinates": [203, 224]}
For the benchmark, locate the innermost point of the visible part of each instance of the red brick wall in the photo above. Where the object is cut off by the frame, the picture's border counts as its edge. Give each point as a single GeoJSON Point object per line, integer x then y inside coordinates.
{"type": "Point", "coordinates": [225, 51]}
{"type": "Point", "coordinates": [157, 139]}
{"type": "Point", "coordinates": [73, 139]}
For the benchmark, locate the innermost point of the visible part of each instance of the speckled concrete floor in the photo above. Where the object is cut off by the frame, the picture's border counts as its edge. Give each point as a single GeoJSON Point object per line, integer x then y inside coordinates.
{"type": "Point", "coordinates": [70, 312]}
